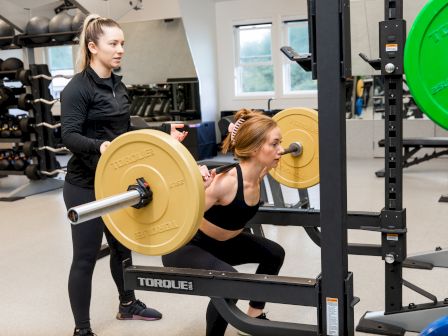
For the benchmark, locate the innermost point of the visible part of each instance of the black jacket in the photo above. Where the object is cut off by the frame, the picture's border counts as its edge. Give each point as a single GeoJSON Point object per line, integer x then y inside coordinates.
{"type": "Point", "coordinates": [92, 111]}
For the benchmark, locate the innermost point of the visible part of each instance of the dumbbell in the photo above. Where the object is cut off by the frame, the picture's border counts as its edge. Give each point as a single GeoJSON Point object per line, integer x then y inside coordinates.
{"type": "Point", "coordinates": [4, 160]}
{"type": "Point", "coordinates": [19, 162]}
{"type": "Point", "coordinates": [15, 131]}
{"type": "Point", "coordinates": [5, 132]}
{"type": "Point", "coordinates": [28, 148]}
{"type": "Point", "coordinates": [4, 164]}
{"type": "Point", "coordinates": [24, 125]}
{"type": "Point", "coordinates": [25, 77]}
{"type": "Point", "coordinates": [33, 172]}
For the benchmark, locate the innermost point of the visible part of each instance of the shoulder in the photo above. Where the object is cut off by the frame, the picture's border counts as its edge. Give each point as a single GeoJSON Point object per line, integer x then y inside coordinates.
{"type": "Point", "coordinates": [223, 184]}
{"type": "Point", "coordinates": [79, 85]}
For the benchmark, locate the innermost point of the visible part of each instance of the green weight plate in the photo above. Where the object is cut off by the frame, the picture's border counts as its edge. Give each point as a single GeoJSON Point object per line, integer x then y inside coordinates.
{"type": "Point", "coordinates": [426, 61]}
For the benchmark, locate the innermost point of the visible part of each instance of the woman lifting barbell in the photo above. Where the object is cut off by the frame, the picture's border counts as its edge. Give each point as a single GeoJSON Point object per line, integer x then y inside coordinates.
{"type": "Point", "coordinates": [95, 110]}
{"type": "Point", "coordinates": [231, 200]}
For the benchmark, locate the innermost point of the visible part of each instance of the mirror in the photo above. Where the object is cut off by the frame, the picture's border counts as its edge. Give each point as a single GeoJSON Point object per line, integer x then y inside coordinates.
{"type": "Point", "coordinates": [365, 99]}
{"type": "Point", "coordinates": [159, 72]}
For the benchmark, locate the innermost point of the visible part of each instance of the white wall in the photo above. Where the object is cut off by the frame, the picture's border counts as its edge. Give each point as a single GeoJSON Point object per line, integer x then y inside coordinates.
{"type": "Point", "coordinates": [121, 10]}
{"type": "Point", "coordinates": [200, 26]}
{"type": "Point", "coordinates": [153, 10]}
{"type": "Point", "coordinates": [229, 13]}
{"type": "Point", "coordinates": [154, 51]}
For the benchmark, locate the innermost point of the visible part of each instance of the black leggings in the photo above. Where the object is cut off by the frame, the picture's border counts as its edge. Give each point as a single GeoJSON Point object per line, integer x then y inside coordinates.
{"type": "Point", "coordinates": [204, 252]}
{"type": "Point", "coordinates": [87, 238]}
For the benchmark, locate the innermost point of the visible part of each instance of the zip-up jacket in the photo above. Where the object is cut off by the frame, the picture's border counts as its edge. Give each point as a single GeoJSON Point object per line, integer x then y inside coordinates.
{"type": "Point", "coordinates": [93, 110]}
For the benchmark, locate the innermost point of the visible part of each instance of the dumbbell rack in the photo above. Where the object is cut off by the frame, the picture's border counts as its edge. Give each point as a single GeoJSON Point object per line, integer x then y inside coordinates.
{"type": "Point", "coordinates": [16, 140]}
{"type": "Point", "coordinates": [42, 137]}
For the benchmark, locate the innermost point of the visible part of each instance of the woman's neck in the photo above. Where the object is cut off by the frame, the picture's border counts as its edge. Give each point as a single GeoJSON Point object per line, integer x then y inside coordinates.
{"type": "Point", "coordinates": [252, 171]}
{"type": "Point", "coordinates": [100, 69]}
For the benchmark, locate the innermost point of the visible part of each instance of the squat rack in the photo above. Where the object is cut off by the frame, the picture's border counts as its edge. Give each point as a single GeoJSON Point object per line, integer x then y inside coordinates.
{"type": "Point", "coordinates": [332, 291]}
{"type": "Point", "coordinates": [396, 319]}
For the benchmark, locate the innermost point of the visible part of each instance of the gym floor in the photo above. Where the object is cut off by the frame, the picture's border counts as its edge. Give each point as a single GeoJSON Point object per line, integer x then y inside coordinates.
{"type": "Point", "coordinates": [36, 255]}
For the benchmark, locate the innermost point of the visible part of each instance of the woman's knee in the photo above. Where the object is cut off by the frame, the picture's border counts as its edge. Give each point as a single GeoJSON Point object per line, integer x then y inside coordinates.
{"type": "Point", "coordinates": [276, 253]}
{"type": "Point", "coordinates": [279, 254]}
{"type": "Point", "coordinates": [120, 252]}
{"type": "Point", "coordinates": [84, 263]}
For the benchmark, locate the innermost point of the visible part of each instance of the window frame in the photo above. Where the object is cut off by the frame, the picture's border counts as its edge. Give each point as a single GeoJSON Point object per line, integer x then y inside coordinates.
{"type": "Point", "coordinates": [238, 66]}
{"type": "Point", "coordinates": [54, 87]}
{"type": "Point", "coordinates": [286, 64]}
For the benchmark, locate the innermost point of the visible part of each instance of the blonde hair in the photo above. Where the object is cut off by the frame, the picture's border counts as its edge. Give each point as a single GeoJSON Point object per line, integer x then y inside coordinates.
{"type": "Point", "coordinates": [92, 30]}
{"type": "Point", "coordinates": [250, 135]}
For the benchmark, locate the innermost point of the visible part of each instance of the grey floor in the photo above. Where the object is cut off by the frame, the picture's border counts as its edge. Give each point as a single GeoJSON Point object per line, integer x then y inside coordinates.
{"type": "Point", "coordinates": [36, 253]}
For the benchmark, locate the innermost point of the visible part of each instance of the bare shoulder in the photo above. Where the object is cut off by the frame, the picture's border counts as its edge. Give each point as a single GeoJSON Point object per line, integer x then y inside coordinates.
{"type": "Point", "coordinates": [222, 184]}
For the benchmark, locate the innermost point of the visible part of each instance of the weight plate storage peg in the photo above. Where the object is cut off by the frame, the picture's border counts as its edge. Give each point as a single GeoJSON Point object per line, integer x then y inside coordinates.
{"type": "Point", "coordinates": [173, 216]}
{"type": "Point", "coordinates": [425, 61]}
{"type": "Point", "coordinates": [298, 125]}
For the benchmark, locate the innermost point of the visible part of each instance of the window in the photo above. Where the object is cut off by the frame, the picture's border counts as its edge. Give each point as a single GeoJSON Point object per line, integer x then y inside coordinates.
{"type": "Point", "coordinates": [254, 66]}
{"type": "Point", "coordinates": [295, 78]}
{"type": "Point", "coordinates": [60, 62]}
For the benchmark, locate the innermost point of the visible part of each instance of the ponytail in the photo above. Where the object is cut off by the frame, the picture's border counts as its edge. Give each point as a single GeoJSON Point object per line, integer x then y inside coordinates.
{"type": "Point", "coordinates": [92, 29]}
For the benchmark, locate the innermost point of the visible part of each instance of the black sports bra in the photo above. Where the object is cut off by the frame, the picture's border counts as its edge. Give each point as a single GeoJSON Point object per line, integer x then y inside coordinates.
{"type": "Point", "coordinates": [235, 215]}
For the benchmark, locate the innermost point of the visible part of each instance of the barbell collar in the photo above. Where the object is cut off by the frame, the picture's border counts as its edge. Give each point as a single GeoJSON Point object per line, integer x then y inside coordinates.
{"type": "Point", "coordinates": [145, 192]}
{"type": "Point", "coordinates": [95, 209]}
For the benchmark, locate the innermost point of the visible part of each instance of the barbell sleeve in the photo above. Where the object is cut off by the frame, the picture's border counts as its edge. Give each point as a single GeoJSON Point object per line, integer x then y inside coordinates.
{"type": "Point", "coordinates": [295, 149]}
{"type": "Point", "coordinates": [88, 211]}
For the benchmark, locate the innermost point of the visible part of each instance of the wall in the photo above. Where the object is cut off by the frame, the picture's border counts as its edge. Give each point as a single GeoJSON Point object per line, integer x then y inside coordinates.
{"type": "Point", "coordinates": [121, 10]}
{"type": "Point", "coordinates": [228, 13]}
{"type": "Point", "coordinates": [200, 26]}
{"type": "Point", "coordinates": [154, 51]}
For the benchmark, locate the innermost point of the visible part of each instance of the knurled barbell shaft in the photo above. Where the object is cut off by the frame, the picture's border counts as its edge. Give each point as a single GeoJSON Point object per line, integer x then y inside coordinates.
{"type": "Point", "coordinates": [88, 211]}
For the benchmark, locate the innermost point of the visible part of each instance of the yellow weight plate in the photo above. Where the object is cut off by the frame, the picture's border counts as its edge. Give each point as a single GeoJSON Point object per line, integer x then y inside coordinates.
{"type": "Point", "coordinates": [359, 88]}
{"type": "Point", "coordinates": [175, 212]}
{"type": "Point", "coordinates": [298, 125]}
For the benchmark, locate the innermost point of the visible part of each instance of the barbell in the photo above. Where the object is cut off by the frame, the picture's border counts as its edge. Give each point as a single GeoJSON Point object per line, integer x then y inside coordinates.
{"type": "Point", "coordinates": [25, 77]}
{"type": "Point", "coordinates": [150, 192]}
{"type": "Point", "coordinates": [26, 101]}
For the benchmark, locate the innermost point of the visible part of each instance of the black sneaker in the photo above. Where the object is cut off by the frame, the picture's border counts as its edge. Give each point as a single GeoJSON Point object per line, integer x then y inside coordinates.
{"type": "Point", "coordinates": [262, 316]}
{"type": "Point", "coordinates": [137, 310]}
{"type": "Point", "coordinates": [83, 332]}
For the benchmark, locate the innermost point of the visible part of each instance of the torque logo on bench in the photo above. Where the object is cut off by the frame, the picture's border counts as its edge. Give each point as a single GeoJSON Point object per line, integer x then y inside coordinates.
{"type": "Point", "coordinates": [167, 284]}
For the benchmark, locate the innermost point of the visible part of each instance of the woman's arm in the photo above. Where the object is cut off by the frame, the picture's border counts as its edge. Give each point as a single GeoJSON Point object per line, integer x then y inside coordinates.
{"type": "Point", "coordinates": [222, 185]}
{"type": "Point", "coordinates": [167, 128]}
{"type": "Point", "coordinates": [74, 108]}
